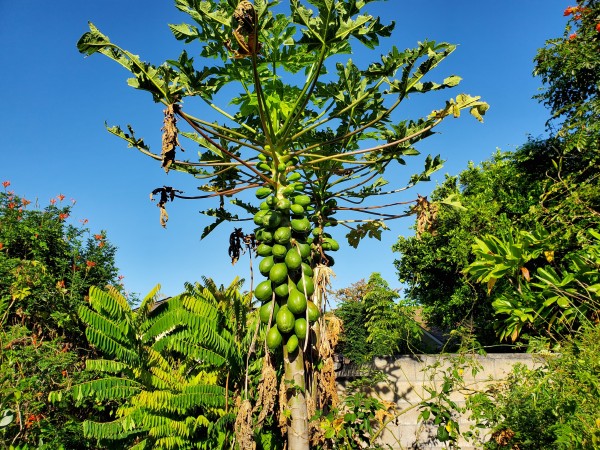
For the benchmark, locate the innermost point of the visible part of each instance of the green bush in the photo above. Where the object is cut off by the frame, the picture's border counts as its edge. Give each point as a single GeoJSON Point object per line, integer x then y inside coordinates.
{"type": "Point", "coordinates": [47, 266]}
{"type": "Point", "coordinates": [552, 406]}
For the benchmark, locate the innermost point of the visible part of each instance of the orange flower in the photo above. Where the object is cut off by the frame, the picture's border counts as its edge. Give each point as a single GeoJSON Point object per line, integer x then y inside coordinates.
{"type": "Point", "coordinates": [6, 184]}
{"type": "Point", "coordinates": [101, 244]}
{"type": "Point", "coordinates": [60, 284]}
{"type": "Point", "coordinates": [1, 245]}
{"type": "Point", "coordinates": [60, 197]}
{"type": "Point", "coordinates": [598, 27]}
{"type": "Point", "coordinates": [84, 221]}
{"type": "Point", "coordinates": [570, 10]}
{"type": "Point", "coordinates": [98, 237]}
{"type": "Point", "coordinates": [63, 216]}
{"type": "Point", "coordinates": [572, 36]}
{"type": "Point", "coordinates": [90, 264]}
{"type": "Point", "coordinates": [52, 201]}
{"type": "Point", "coordinates": [11, 205]}
{"type": "Point", "coordinates": [26, 202]}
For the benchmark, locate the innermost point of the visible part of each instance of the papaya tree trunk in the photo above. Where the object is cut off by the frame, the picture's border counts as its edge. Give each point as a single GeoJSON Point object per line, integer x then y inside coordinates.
{"type": "Point", "coordinates": [296, 401]}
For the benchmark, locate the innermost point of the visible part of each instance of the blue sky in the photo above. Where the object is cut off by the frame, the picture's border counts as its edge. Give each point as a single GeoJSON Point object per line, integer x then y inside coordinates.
{"type": "Point", "coordinates": [53, 141]}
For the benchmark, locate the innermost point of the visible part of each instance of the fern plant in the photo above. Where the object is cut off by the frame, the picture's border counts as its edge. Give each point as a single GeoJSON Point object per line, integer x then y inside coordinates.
{"type": "Point", "coordinates": [172, 367]}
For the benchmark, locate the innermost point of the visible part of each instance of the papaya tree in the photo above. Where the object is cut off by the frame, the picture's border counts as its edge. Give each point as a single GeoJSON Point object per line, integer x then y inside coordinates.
{"type": "Point", "coordinates": [311, 135]}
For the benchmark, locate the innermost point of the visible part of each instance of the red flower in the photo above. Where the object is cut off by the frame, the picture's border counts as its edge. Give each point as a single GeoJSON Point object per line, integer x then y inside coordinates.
{"type": "Point", "coordinates": [60, 197]}
{"type": "Point", "coordinates": [598, 27]}
{"type": "Point", "coordinates": [90, 264]}
{"type": "Point", "coordinates": [570, 10]}
{"type": "Point", "coordinates": [63, 216]}
{"type": "Point", "coordinates": [572, 36]}
{"type": "Point", "coordinates": [6, 184]}
{"type": "Point", "coordinates": [120, 276]}
{"type": "Point", "coordinates": [1, 245]}
{"type": "Point", "coordinates": [11, 205]}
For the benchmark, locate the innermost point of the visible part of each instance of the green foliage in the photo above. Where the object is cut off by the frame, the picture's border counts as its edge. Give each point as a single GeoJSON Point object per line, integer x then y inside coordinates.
{"type": "Point", "coordinates": [491, 196]}
{"type": "Point", "coordinates": [355, 423]}
{"type": "Point", "coordinates": [31, 367]}
{"type": "Point", "coordinates": [555, 300]}
{"type": "Point", "coordinates": [552, 406]}
{"type": "Point", "coordinates": [569, 67]}
{"type": "Point", "coordinates": [172, 367]}
{"type": "Point", "coordinates": [47, 266]}
{"type": "Point", "coordinates": [46, 269]}
{"type": "Point", "coordinates": [374, 323]}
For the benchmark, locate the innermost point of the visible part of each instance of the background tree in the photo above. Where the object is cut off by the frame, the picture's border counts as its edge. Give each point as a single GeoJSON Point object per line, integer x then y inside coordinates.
{"type": "Point", "coordinates": [375, 322]}
{"type": "Point", "coordinates": [310, 145]}
{"type": "Point", "coordinates": [47, 266]}
{"type": "Point", "coordinates": [547, 191]}
{"type": "Point", "coordinates": [543, 271]}
{"type": "Point", "coordinates": [493, 195]}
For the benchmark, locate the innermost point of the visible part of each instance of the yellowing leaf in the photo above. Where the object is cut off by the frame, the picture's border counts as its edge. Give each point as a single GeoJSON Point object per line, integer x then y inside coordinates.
{"type": "Point", "coordinates": [490, 284]}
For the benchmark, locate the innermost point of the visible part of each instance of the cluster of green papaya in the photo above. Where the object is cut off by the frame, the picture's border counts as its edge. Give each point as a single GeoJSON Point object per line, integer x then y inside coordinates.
{"type": "Point", "coordinates": [287, 246]}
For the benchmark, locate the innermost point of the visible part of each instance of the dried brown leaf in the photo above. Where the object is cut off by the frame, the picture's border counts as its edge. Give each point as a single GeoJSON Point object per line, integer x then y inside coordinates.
{"type": "Point", "coordinates": [169, 137]}
{"type": "Point", "coordinates": [267, 391]}
{"type": "Point", "coordinates": [244, 431]}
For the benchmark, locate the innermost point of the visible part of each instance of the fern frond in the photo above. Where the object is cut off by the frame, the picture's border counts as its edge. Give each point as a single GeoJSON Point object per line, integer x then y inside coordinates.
{"type": "Point", "coordinates": [111, 347]}
{"type": "Point", "coordinates": [151, 381]}
{"type": "Point", "coordinates": [205, 332]}
{"type": "Point", "coordinates": [170, 378]}
{"type": "Point", "coordinates": [205, 377]}
{"type": "Point", "coordinates": [104, 324]}
{"type": "Point", "coordinates": [187, 347]}
{"type": "Point", "coordinates": [203, 421]}
{"type": "Point", "coordinates": [147, 304]}
{"type": "Point", "coordinates": [161, 426]}
{"type": "Point", "coordinates": [200, 307]}
{"type": "Point", "coordinates": [116, 430]}
{"type": "Point", "coordinates": [205, 396]}
{"type": "Point", "coordinates": [111, 302]}
{"type": "Point", "coordinates": [163, 325]}
{"type": "Point", "coordinates": [107, 366]}
{"type": "Point", "coordinates": [109, 388]}
{"type": "Point", "coordinates": [171, 442]}
{"type": "Point", "coordinates": [192, 397]}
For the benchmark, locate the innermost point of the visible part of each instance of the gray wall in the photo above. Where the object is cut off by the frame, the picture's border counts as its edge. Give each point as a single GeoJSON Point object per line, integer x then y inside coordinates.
{"type": "Point", "coordinates": [409, 375]}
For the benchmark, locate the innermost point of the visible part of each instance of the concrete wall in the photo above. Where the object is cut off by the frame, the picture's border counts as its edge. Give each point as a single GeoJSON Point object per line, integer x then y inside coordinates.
{"type": "Point", "coordinates": [409, 375]}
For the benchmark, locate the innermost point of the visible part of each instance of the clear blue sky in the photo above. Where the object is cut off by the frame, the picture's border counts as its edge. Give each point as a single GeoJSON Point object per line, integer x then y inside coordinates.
{"type": "Point", "coordinates": [52, 136]}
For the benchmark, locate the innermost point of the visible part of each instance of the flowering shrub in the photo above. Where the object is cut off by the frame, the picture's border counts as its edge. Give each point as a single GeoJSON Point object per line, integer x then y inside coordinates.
{"type": "Point", "coordinates": [47, 266]}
